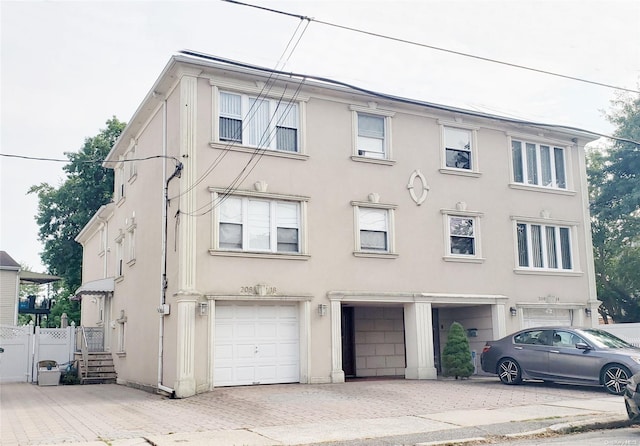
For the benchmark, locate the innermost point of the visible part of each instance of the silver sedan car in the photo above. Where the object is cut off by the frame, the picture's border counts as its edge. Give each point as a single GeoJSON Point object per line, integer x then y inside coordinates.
{"type": "Point", "coordinates": [563, 354]}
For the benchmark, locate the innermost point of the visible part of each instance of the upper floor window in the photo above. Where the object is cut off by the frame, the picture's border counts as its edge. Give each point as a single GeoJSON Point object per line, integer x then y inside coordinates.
{"type": "Point", "coordinates": [120, 182]}
{"type": "Point", "coordinates": [120, 255]}
{"type": "Point", "coordinates": [371, 136]}
{"type": "Point", "coordinates": [131, 241]}
{"type": "Point", "coordinates": [374, 224]}
{"type": "Point", "coordinates": [457, 146]}
{"type": "Point", "coordinates": [252, 224]}
{"type": "Point", "coordinates": [372, 133]}
{"type": "Point", "coordinates": [462, 239]}
{"type": "Point", "coordinates": [462, 234]}
{"type": "Point", "coordinates": [543, 246]}
{"type": "Point", "coordinates": [259, 122]}
{"type": "Point", "coordinates": [538, 164]}
{"type": "Point", "coordinates": [132, 168]}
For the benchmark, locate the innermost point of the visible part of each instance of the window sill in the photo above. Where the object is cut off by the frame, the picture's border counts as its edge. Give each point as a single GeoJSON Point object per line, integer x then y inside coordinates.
{"type": "Point", "coordinates": [131, 262]}
{"type": "Point", "coordinates": [465, 259]}
{"type": "Point", "coordinates": [120, 201]}
{"type": "Point", "coordinates": [460, 172]}
{"type": "Point", "coordinates": [375, 255]}
{"type": "Point", "coordinates": [121, 354]}
{"type": "Point", "coordinates": [132, 178]}
{"type": "Point", "coordinates": [259, 255]}
{"type": "Point", "coordinates": [549, 190]}
{"type": "Point", "coordinates": [119, 279]}
{"type": "Point", "coordinates": [548, 272]}
{"type": "Point", "coordinates": [263, 152]}
{"type": "Point", "coordinates": [364, 159]}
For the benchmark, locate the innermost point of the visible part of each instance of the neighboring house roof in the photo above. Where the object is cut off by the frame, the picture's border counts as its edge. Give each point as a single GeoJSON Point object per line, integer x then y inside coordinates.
{"type": "Point", "coordinates": [37, 278]}
{"type": "Point", "coordinates": [7, 262]}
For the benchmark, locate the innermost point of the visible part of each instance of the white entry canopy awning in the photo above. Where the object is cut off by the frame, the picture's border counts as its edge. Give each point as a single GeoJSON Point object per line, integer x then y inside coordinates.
{"type": "Point", "coordinates": [100, 286]}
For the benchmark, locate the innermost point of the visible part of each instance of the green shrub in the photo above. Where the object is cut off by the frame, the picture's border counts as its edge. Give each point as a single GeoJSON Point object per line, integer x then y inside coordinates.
{"type": "Point", "coordinates": [456, 357]}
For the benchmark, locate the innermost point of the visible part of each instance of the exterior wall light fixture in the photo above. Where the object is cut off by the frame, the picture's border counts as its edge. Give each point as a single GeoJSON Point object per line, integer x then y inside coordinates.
{"type": "Point", "coordinates": [587, 311]}
{"type": "Point", "coordinates": [322, 309]}
{"type": "Point", "coordinates": [513, 311]}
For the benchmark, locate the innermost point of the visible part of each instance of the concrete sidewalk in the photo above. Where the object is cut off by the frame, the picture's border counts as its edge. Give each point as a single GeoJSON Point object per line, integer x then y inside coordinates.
{"type": "Point", "coordinates": [354, 413]}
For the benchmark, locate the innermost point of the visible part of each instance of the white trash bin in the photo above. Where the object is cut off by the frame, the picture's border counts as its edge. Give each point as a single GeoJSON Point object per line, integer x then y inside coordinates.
{"type": "Point", "coordinates": [48, 373]}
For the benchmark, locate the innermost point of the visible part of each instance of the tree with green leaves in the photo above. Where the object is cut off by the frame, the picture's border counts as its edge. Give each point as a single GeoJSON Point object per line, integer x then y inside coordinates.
{"type": "Point", "coordinates": [456, 357]}
{"type": "Point", "coordinates": [614, 187]}
{"type": "Point", "coordinates": [63, 211]}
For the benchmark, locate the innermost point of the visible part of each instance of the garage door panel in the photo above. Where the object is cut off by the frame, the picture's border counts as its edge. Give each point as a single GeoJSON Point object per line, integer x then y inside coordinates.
{"type": "Point", "coordinates": [288, 311]}
{"type": "Point", "coordinates": [256, 344]}
{"type": "Point", "coordinates": [267, 330]}
{"type": "Point", "coordinates": [224, 331]}
{"type": "Point", "coordinates": [288, 330]}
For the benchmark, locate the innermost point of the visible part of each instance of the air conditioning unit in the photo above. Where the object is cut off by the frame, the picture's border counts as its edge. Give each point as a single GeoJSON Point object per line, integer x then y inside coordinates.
{"type": "Point", "coordinates": [164, 309]}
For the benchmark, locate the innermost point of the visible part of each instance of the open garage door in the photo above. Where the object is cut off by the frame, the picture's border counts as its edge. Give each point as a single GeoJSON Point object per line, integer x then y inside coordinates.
{"type": "Point", "coordinates": [256, 343]}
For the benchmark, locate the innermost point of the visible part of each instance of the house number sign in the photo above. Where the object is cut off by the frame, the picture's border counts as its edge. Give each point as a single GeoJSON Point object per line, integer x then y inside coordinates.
{"type": "Point", "coordinates": [260, 290]}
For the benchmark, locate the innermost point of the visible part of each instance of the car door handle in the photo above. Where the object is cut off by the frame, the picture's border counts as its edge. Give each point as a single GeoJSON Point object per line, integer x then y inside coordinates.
{"type": "Point", "coordinates": [554, 351]}
{"type": "Point", "coordinates": [517, 348]}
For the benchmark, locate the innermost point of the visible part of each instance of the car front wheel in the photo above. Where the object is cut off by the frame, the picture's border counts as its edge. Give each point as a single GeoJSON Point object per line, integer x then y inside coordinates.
{"type": "Point", "coordinates": [509, 371]}
{"type": "Point", "coordinates": [614, 378]}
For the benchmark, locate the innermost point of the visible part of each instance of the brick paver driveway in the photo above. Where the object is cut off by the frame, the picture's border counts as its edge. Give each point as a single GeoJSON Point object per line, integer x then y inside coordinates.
{"type": "Point", "coordinates": [46, 415]}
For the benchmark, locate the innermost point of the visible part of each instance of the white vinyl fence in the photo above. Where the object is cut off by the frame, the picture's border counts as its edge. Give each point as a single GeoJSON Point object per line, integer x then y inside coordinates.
{"type": "Point", "coordinates": [628, 332]}
{"type": "Point", "coordinates": [25, 346]}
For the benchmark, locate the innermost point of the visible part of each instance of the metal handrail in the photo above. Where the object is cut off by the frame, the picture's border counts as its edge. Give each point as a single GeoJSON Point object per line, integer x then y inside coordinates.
{"type": "Point", "coordinates": [84, 348]}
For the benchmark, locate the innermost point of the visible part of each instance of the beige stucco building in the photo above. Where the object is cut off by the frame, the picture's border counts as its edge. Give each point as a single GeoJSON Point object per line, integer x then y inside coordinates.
{"type": "Point", "coordinates": [272, 228]}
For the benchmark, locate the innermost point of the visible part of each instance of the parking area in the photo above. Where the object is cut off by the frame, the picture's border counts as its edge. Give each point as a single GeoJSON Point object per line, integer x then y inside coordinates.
{"type": "Point", "coordinates": [49, 415]}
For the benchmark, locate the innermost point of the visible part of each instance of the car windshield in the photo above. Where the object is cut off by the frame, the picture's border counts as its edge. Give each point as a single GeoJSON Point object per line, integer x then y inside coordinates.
{"type": "Point", "coordinates": [603, 339]}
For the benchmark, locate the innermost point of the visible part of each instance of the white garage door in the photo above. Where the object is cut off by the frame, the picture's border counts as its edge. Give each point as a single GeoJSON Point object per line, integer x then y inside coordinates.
{"type": "Point", "coordinates": [256, 344]}
{"type": "Point", "coordinates": [543, 317]}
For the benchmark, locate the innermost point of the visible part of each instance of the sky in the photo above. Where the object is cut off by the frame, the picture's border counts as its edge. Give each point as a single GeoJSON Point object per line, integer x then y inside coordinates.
{"type": "Point", "coordinates": [67, 67]}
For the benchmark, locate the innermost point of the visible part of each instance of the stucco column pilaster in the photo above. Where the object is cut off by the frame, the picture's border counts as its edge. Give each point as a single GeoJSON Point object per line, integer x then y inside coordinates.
{"type": "Point", "coordinates": [185, 385]}
{"type": "Point", "coordinates": [187, 295]}
{"type": "Point", "coordinates": [499, 320]}
{"type": "Point", "coordinates": [419, 341]}
{"type": "Point", "coordinates": [337, 374]}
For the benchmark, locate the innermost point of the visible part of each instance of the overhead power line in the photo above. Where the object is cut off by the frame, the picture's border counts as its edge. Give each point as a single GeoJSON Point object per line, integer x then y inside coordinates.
{"type": "Point", "coordinates": [432, 47]}
{"type": "Point", "coordinates": [94, 161]}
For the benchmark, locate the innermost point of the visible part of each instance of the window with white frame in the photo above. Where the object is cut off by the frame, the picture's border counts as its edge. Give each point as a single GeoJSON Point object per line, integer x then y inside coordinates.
{"type": "Point", "coordinates": [120, 182]}
{"type": "Point", "coordinates": [541, 246]}
{"type": "Point", "coordinates": [259, 225]}
{"type": "Point", "coordinates": [458, 148]}
{"type": "Point", "coordinates": [373, 229]}
{"type": "Point", "coordinates": [371, 136]}
{"type": "Point", "coordinates": [132, 168]}
{"type": "Point", "coordinates": [462, 234]}
{"type": "Point", "coordinates": [462, 237]}
{"type": "Point", "coordinates": [259, 122]}
{"type": "Point", "coordinates": [538, 164]}
{"type": "Point", "coordinates": [131, 242]}
{"type": "Point", "coordinates": [120, 255]}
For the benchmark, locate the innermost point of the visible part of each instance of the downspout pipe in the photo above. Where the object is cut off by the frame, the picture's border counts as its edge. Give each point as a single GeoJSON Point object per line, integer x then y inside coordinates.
{"type": "Point", "coordinates": [163, 281]}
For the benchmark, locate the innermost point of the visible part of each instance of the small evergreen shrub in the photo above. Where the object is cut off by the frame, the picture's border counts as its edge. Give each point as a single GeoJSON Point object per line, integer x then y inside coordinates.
{"type": "Point", "coordinates": [456, 357]}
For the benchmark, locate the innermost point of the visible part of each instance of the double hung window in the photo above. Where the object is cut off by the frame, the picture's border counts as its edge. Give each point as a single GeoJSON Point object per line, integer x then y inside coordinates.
{"type": "Point", "coordinates": [462, 239]}
{"type": "Point", "coordinates": [259, 225]}
{"type": "Point", "coordinates": [374, 229]}
{"type": "Point", "coordinates": [538, 164]}
{"type": "Point", "coordinates": [462, 234]}
{"type": "Point", "coordinates": [544, 246]}
{"type": "Point", "coordinates": [371, 136]}
{"type": "Point", "coordinates": [457, 146]}
{"type": "Point", "coordinates": [259, 122]}
{"type": "Point", "coordinates": [373, 225]}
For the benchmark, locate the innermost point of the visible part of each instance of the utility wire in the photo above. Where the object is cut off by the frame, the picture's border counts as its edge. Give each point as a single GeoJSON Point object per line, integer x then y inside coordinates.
{"type": "Point", "coordinates": [432, 47]}
{"type": "Point", "coordinates": [93, 161]}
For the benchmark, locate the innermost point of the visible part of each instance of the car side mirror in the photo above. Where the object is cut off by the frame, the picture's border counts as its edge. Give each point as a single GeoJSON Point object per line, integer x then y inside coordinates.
{"type": "Point", "coordinates": [582, 346]}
